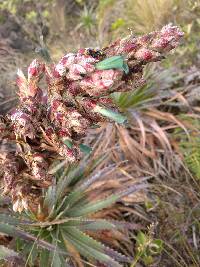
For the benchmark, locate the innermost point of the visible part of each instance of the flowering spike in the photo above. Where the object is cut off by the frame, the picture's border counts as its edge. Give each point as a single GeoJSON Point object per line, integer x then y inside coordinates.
{"type": "Point", "coordinates": [51, 126]}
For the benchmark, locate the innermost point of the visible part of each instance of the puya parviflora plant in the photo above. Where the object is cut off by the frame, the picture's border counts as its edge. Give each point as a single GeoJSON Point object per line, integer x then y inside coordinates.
{"type": "Point", "coordinates": [62, 231]}
{"type": "Point", "coordinates": [50, 123]}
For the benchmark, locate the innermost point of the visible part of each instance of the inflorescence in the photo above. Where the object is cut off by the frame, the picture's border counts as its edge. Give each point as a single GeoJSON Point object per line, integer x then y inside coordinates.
{"type": "Point", "coordinates": [50, 123]}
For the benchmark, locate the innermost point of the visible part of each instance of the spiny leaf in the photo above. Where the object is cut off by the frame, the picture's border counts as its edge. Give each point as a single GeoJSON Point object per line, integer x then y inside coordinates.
{"type": "Point", "coordinates": [88, 247]}
{"type": "Point", "coordinates": [70, 175]}
{"type": "Point", "coordinates": [8, 219]}
{"type": "Point", "coordinates": [43, 51]}
{"type": "Point", "coordinates": [91, 207]}
{"type": "Point", "coordinates": [126, 225]}
{"type": "Point", "coordinates": [70, 200]}
{"type": "Point", "coordinates": [50, 198]}
{"type": "Point", "coordinates": [90, 224]}
{"type": "Point", "coordinates": [136, 98]}
{"type": "Point", "coordinates": [92, 165]}
{"type": "Point", "coordinates": [83, 210]}
{"type": "Point", "coordinates": [84, 238]}
{"type": "Point", "coordinates": [74, 175]}
{"type": "Point", "coordinates": [56, 258]}
{"type": "Point", "coordinates": [31, 253]}
{"type": "Point", "coordinates": [94, 177]}
{"type": "Point", "coordinates": [4, 200]}
{"type": "Point", "coordinates": [191, 151]}
{"type": "Point", "coordinates": [22, 82]}
{"type": "Point", "coordinates": [15, 232]}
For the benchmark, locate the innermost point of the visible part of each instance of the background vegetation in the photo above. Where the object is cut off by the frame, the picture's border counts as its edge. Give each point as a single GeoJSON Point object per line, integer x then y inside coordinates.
{"type": "Point", "coordinates": [161, 141]}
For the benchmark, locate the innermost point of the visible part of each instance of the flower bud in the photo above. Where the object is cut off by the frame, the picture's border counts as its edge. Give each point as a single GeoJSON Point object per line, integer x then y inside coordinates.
{"type": "Point", "coordinates": [100, 82]}
{"type": "Point", "coordinates": [35, 70]}
{"type": "Point", "coordinates": [71, 154]}
{"type": "Point", "coordinates": [23, 124]}
{"type": "Point", "coordinates": [145, 54]}
{"type": "Point", "coordinates": [39, 167]}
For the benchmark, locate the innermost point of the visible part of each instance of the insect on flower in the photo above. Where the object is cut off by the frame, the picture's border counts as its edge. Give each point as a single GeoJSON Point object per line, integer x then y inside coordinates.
{"type": "Point", "coordinates": [115, 62]}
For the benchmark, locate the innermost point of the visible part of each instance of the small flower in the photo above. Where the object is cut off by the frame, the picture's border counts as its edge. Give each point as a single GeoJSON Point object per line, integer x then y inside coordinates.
{"type": "Point", "coordinates": [144, 54]}
{"type": "Point", "coordinates": [20, 204]}
{"type": "Point", "coordinates": [168, 38]}
{"type": "Point", "coordinates": [21, 196]}
{"type": "Point", "coordinates": [100, 82]}
{"type": "Point", "coordinates": [75, 72]}
{"type": "Point", "coordinates": [71, 154]}
{"type": "Point", "coordinates": [75, 121]}
{"type": "Point", "coordinates": [23, 124]}
{"type": "Point", "coordinates": [171, 31]}
{"type": "Point", "coordinates": [35, 70]}
{"type": "Point", "coordinates": [39, 167]}
{"type": "Point", "coordinates": [17, 206]}
{"type": "Point", "coordinates": [60, 69]}
{"type": "Point", "coordinates": [68, 60]}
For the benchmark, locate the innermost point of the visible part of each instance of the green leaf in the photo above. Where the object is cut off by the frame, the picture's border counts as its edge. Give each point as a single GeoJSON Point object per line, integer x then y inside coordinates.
{"type": "Point", "coordinates": [15, 232]}
{"type": "Point", "coordinates": [141, 239]}
{"type": "Point", "coordinates": [125, 67]}
{"type": "Point", "coordinates": [8, 219]}
{"type": "Point", "coordinates": [73, 173]}
{"type": "Point", "coordinates": [56, 260]}
{"type": "Point", "coordinates": [69, 201]}
{"type": "Point", "coordinates": [88, 208]}
{"type": "Point", "coordinates": [89, 224]}
{"type": "Point", "coordinates": [44, 258]}
{"type": "Point", "coordinates": [50, 199]}
{"type": "Point", "coordinates": [115, 62]}
{"type": "Point", "coordinates": [88, 247]}
{"type": "Point", "coordinates": [91, 207]}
